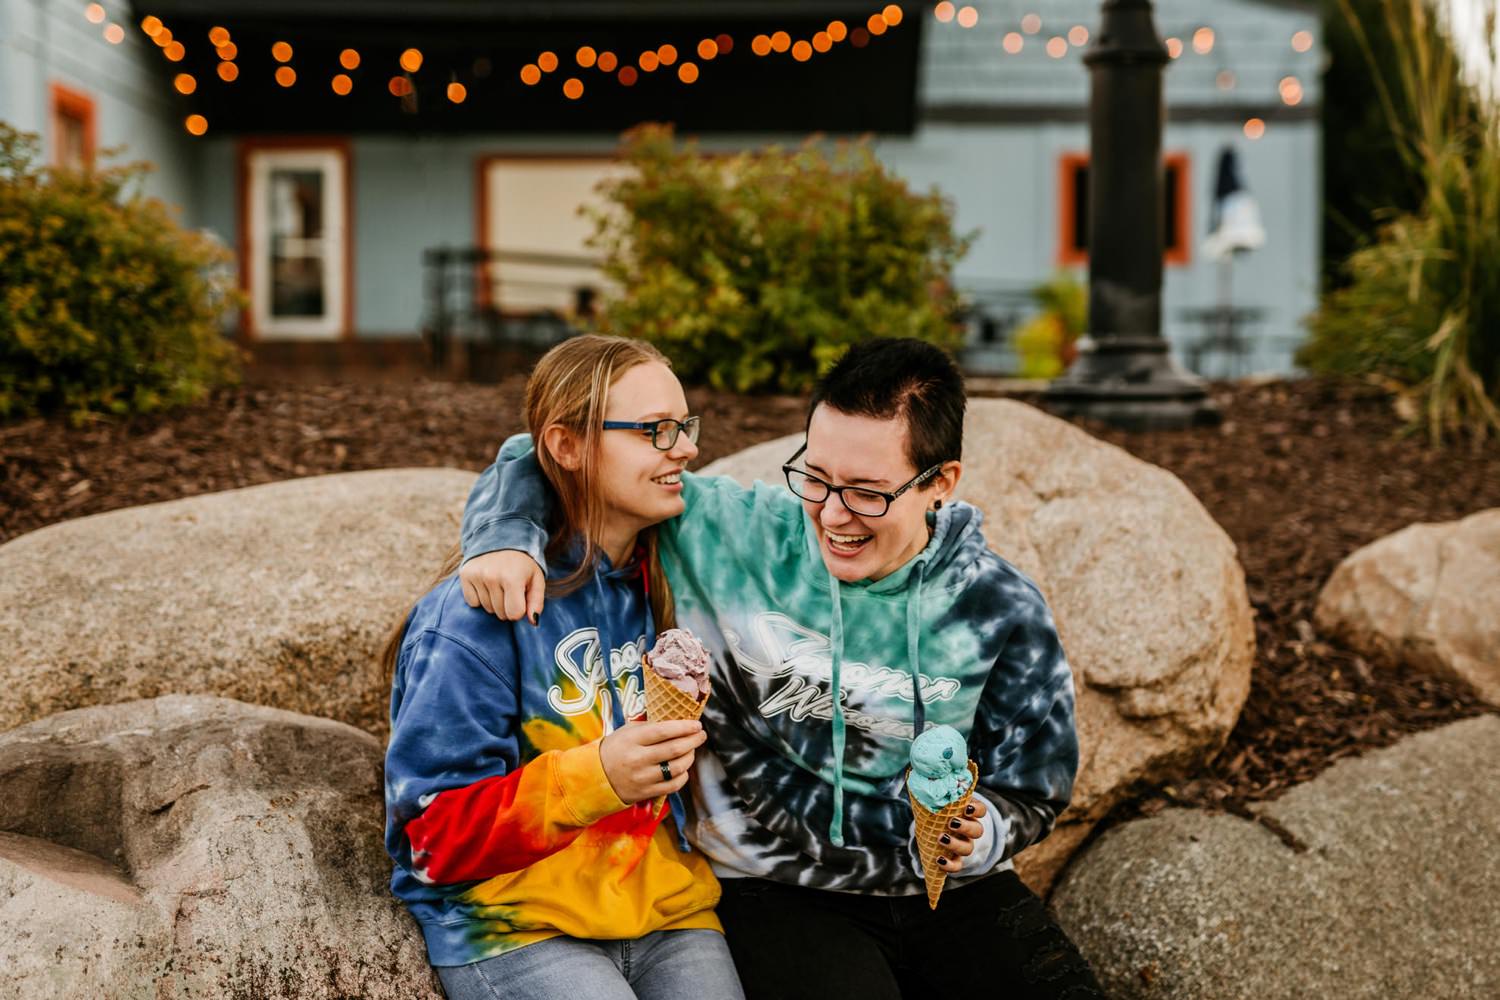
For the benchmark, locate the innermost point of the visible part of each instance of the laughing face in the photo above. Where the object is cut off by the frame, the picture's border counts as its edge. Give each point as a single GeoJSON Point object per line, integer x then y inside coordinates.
{"type": "Point", "coordinates": [640, 484]}
{"type": "Point", "coordinates": [848, 450]}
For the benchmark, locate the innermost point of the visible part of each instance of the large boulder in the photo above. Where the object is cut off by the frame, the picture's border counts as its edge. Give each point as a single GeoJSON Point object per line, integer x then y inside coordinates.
{"type": "Point", "coordinates": [1428, 595]}
{"type": "Point", "coordinates": [1147, 591]}
{"type": "Point", "coordinates": [198, 847]}
{"type": "Point", "coordinates": [280, 595]}
{"type": "Point", "coordinates": [1377, 879]}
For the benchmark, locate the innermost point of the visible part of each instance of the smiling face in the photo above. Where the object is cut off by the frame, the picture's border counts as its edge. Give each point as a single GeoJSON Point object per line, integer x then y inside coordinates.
{"type": "Point", "coordinates": [848, 450]}
{"type": "Point", "coordinates": [640, 485]}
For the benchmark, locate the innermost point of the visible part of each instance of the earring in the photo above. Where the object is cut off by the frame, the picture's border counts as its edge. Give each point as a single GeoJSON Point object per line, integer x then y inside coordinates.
{"type": "Point", "coordinates": [937, 505]}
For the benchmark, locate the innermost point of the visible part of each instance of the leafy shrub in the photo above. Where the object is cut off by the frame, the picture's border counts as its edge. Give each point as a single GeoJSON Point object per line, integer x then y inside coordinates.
{"type": "Point", "coordinates": [757, 271]}
{"type": "Point", "coordinates": [1421, 311]}
{"type": "Point", "coordinates": [106, 304]}
{"type": "Point", "coordinates": [1046, 344]}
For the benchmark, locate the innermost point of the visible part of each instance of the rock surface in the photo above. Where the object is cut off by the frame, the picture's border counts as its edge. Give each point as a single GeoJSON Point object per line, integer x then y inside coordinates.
{"type": "Point", "coordinates": [198, 847]}
{"type": "Point", "coordinates": [1428, 595]}
{"type": "Point", "coordinates": [1392, 889]}
{"type": "Point", "coordinates": [280, 595]}
{"type": "Point", "coordinates": [1146, 589]}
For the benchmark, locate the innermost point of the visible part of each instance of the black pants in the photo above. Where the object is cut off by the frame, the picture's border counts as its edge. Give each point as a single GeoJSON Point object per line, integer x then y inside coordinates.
{"type": "Point", "coordinates": [990, 938]}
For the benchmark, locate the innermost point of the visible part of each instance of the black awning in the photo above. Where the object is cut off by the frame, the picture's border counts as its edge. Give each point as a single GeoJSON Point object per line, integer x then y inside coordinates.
{"type": "Point", "coordinates": [483, 47]}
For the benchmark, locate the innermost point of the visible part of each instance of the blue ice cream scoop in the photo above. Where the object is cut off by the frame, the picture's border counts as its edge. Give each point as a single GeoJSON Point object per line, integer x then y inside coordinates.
{"type": "Point", "coordinates": [939, 768]}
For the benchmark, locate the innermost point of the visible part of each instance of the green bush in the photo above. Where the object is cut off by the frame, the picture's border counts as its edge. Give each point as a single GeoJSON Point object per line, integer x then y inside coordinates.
{"type": "Point", "coordinates": [107, 305]}
{"type": "Point", "coordinates": [757, 271]}
{"type": "Point", "coordinates": [1421, 310]}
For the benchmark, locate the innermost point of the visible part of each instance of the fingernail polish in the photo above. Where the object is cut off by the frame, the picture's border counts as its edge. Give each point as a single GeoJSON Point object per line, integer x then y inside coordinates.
{"type": "Point", "coordinates": [968, 810]}
{"type": "Point", "coordinates": [942, 862]}
{"type": "Point", "coordinates": [955, 823]}
{"type": "Point", "coordinates": [945, 839]}
{"type": "Point", "coordinates": [533, 618]}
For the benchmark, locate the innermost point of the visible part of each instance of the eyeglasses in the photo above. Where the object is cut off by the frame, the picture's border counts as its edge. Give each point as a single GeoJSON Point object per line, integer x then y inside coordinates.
{"type": "Point", "coordinates": [663, 432]}
{"type": "Point", "coordinates": [859, 500]}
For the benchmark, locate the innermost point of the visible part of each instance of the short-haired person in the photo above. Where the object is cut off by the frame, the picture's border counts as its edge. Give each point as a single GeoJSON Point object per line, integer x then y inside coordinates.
{"type": "Point", "coordinates": [528, 821]}
{"type": "Point", "coordinates": [844, 618]}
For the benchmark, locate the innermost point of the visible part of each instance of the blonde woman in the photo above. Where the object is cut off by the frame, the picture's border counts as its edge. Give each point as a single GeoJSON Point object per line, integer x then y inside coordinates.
{"type": "Point", "coordinates": [537, 834]}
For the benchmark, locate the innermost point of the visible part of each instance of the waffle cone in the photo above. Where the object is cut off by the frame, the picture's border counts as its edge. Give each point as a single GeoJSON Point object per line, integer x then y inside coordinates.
{"type": "Point", "coordinates": [932, 825]}
{"type": "Point", "coordinates": [665, 701]}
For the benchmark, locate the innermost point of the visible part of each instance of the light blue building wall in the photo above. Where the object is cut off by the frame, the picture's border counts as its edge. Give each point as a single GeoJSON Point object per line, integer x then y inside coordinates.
{"type": "Point", "coordinates": [46, 42]}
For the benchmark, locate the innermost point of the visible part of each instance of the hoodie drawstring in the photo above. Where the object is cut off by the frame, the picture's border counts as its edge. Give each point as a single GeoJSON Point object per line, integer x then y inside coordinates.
{"type": "Point", "coordinates": [918, 711]}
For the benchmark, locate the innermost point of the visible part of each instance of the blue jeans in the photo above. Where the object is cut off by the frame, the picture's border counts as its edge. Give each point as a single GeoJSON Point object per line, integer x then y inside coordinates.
{"type": "Point", "coordinates": [665, 965]}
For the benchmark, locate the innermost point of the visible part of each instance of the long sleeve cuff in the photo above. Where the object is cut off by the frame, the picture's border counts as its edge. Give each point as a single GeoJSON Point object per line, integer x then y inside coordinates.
{"type": "Point", "coordinates": [585, 787]}
{"type": "Point", "coordinates": [510, 531]}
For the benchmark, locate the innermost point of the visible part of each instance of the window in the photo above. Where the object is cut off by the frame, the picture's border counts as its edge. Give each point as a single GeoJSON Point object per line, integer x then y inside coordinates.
{"type": "Point", "coordinates": [1073, 236]}
{"type": "Point", "coordinates": [296, 215]}
{"type": "Point", "coordinates": [72, 128]}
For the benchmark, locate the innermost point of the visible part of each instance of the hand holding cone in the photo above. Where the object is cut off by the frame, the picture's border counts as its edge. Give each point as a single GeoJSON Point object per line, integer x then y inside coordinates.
{"type": "Point", "coordinates": [931, 825]}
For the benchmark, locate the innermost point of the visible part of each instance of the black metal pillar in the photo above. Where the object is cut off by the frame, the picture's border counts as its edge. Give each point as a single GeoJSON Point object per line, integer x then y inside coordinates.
{"type": "Point", "coordinates": [1124, 375]}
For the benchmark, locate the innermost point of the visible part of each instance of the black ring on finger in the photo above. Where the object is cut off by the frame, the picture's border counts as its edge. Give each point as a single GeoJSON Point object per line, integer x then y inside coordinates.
{"type": "Point", "coordinates": [666, 771]}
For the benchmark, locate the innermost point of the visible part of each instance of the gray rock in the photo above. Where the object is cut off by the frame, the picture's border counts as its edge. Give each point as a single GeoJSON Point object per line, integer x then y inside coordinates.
{"type": "Point", "coordinates": [198, 847]}
{"type": "Point", "coordinates": [1390, 888]}
{"type": "Point", "coordinates": [1147, 590]}
{"type": "Point", "coordinates": [1428, 595]}
{"type": "Point", "coordinates": [279, 595]}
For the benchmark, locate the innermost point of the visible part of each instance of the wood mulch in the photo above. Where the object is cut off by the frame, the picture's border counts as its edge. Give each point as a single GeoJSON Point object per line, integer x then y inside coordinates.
{"type": "Point", "coordinates": [1300, 474]}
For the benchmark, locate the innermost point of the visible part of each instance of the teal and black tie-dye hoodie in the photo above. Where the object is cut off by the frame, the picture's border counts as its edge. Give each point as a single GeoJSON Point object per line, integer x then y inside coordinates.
{"type": "Point", "coordinates": [819, 686]}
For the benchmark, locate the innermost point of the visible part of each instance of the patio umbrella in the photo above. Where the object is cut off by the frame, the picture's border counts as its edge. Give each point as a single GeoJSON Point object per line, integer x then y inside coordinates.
{"type": "Point", "coordinates": [1234, 223]}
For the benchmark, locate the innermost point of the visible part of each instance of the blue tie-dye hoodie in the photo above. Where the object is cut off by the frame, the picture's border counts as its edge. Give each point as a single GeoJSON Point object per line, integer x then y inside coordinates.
{"type": "Point", "coordinates": [819, 686]}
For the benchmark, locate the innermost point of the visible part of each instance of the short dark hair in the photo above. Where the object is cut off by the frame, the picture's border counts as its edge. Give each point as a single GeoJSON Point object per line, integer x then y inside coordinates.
{"type": "Point", "coordinates": [901, 377]}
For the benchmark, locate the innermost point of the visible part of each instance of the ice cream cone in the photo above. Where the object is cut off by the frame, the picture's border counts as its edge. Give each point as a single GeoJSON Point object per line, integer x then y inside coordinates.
{"type": "Point", "coordinates": [665, 701]}
{"type": "Point", "coordinates": [932, 825]}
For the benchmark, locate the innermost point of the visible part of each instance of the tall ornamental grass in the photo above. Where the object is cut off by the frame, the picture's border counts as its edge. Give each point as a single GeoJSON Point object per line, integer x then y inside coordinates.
{"type": "Point", "coordinates": [1421, 312]}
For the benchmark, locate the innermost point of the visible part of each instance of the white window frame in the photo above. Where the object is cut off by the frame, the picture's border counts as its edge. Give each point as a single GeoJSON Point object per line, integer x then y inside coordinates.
{"type": "Point", "coordinates": [330, 161]}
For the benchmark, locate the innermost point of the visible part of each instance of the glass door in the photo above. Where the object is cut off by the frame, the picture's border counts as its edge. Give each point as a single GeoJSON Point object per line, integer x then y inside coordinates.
{"type": "Point", "coordinates": [298, 239]}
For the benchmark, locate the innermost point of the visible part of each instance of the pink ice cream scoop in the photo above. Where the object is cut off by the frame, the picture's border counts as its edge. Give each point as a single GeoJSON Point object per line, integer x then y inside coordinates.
{"type": "Point", "coordinates": [680, 659]}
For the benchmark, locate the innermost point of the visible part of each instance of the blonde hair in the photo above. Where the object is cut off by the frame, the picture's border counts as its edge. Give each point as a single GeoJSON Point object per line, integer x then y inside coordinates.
{"type": "Point", "coordinates": [569, 387]}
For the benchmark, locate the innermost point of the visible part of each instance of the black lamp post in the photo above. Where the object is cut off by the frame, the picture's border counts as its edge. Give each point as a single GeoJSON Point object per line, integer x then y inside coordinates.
{"type": "Point", "coordinates": [1126, 376]}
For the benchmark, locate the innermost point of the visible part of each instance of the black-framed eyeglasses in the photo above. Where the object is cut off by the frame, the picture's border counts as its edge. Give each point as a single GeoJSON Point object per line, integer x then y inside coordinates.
{"type": "Point", "coordinates": [663, 432]}
{"type": "Point", "coordinates": [859, 500]}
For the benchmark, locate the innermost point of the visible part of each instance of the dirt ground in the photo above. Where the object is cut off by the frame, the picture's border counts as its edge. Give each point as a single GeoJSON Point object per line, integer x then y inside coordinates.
{"type": "Point", "coordinates": [1300, 474]}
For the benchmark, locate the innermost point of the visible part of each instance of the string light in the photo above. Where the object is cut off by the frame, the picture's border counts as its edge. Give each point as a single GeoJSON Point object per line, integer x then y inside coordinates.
{"type": "Point", "coordinates": [174, 52]}
{"type": "Point", "coordinates": [821, 42]}
{"type": "Point", "coordinates": [547, 61]}
{"type": "Point", "coordinates": [1174, 47]}
{"type": "Point", "coordinates": [114, 34]}
{"type": "Point", "coordinates": [228, 72]}
{"type": "Point", "coordinates": [1078, 36]}
{"type": "Point", "coordinates": [1013, 42]}
{"type": "Point", "coordinates": [687, 72]}
{"type": "Point", "coordinates": [286, 76]}
{"type": "Point", "coordinates": [781, 41]}
{"type": "Point", "coordinates": [281, 52]}
{"type": "Point", "coordinates": [572, 88]}
{"type": "Point", "coordinates": [162, 38]}
{"type": "Point", "coordinates": [457, 92]}
{"type": "Point", "coordinates": [196, 124]}
{"type": "Point", "coordinates": [95, 13]}
{"type": "Point", "coordinates": [648, 61]}
{"type": "Point", "coordinates": [891, 14]}
{"type": "Point", "coordinates": [724, 43]}
{"type": "Point", "coordinates": [530, 74]}
{"type": "Point", "coordinates": [228, 50]}
{"type": "Point", "coordinates": [1203, 41]}
{"type": "Point", "coordinates": [151, 24]}
{"type": "Point", "coordinates": [184, 83]}
{"type": "Point", "coordinates": [707, 49]}
{"type": "Point", "coordinates": [944, 11]}
{"type": "Point", "coordinates": [607, 62]}
{"type": "Point", "coordinates": [837, 31]}
{"type": "Point", "coordinates": [218, 36]}
{"type": "Point", "coordinates": [1057, 46]}
{"type": "Point", "coordinates": [761, 45]}
{"type": "Point", "coordinates": [859, 38]}
{"type": "Point", "coordinates": [1226, 79]}
{"type": "Point", "coordinates": [802, 51]}
{"type": "Point", "coordinates": [1291, 90]}
{"type": "Point", "coordinates": [628, 76]}
{"type": "Point", "coordinates": [349, 59]}
{"type": "Point", "coordinates": [411, 60]}
{"type": "Point", "coordinates": [342, 85]}
{"type": "Point", "coordinates": [399, 86]}
{"type": "Point", "coordinates": [1031, 23]}
{"type": "Point", "coordinates": [1254, 128]}
{"type": "Point", "coordinates": [875, 24]}
{"type": "Point", "coordinates": [667, 55]}
{"type": "Point", "coordinates": [586, 57]}
{"type": "Point", "coordinates": [1302, 41]}
{"type": "Point", "coordinates": [968, 17]}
